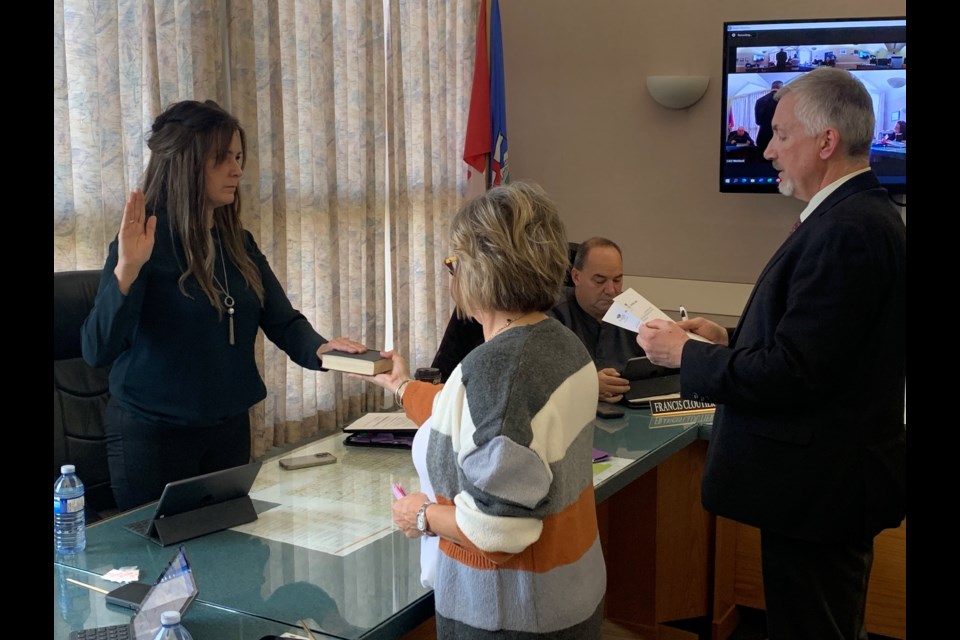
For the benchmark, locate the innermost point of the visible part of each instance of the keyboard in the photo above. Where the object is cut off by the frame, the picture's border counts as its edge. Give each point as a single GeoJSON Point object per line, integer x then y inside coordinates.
{"type": "Point", "coordinates": [140, 527]}
{"type": "Point", "coordinates": [113, 632]}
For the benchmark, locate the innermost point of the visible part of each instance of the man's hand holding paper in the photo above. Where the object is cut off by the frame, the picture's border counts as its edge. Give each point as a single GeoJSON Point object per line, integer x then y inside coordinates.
{"type": "Point", "coordinates": [706, 330]}
{"type": "Point", "coordinates": [660, 337]}
{"type": "Point", "coordinates": [662, 341]}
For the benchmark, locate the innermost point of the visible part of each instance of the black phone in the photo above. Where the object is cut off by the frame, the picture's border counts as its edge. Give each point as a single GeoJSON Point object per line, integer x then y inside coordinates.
{"type": "Point", "coordinates": [607, 410]}
{"type": "Point", "coordinates": [128, 595]}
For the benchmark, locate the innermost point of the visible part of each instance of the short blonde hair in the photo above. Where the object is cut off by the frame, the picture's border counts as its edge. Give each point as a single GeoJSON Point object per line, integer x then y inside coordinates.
{"type": "Point", "coordinates": [511, 250]}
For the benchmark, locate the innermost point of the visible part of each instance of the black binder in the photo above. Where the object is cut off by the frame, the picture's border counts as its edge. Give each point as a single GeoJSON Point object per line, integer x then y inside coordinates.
{"type": "Point", "coordinates": [648, 380]}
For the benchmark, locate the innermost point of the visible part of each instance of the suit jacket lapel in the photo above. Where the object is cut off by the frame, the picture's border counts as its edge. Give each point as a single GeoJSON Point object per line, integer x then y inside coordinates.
{"type": "Point", "coordinates": [856, 184]}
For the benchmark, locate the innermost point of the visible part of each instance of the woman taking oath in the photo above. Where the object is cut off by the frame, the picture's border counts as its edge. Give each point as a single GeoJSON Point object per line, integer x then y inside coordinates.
{"type": "Point", "coordinates": [183, 293]}
{"type": "Point", "coordinates": [504, 453]}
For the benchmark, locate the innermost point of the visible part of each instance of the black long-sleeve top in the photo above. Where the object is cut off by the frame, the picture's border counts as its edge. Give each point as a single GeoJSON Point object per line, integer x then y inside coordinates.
{"type": "Point", "coordinates": [172, 361]}
{"type": "Point", "coordinates": [610, 346]}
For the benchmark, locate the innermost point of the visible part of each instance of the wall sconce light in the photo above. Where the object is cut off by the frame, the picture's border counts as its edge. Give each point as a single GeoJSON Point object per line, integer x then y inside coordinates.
{"type": "Point", "coordinates": [897, 83]}
{"type": "Point", "coordinates": [677, 92]}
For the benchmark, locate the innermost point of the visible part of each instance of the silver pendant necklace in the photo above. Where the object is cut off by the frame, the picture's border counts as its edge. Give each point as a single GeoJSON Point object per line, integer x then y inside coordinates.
{"type": "Point", "coordinates": [228, 300]}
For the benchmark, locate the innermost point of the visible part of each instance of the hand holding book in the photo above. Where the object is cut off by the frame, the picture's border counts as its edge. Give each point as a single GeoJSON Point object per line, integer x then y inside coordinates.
{"type": "Point", "coordinates": [367, 363]}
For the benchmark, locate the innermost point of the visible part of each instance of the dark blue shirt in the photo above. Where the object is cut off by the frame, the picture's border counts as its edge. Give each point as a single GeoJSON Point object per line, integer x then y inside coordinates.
{"type": "Point", "coordinates": [172, 360]}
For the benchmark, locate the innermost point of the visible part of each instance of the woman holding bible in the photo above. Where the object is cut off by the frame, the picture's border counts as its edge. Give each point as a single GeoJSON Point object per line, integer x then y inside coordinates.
{"type": "Point", "coordinates": [183, 293]}
{"type": "Point", "coordinates": [504, 453]}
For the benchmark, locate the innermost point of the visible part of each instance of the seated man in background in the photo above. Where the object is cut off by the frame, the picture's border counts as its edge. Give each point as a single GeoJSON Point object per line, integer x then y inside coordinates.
{"type": "Point", "coordinates": [740, 137]}
{"type": "Point", "coordinates": [597, 276]}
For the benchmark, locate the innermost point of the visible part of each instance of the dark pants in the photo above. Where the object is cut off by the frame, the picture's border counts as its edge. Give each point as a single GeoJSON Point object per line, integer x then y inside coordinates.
{"type": "Point", "coordinates": [144, 456]}
{"type": "Point", "coordinates": [815, 591]}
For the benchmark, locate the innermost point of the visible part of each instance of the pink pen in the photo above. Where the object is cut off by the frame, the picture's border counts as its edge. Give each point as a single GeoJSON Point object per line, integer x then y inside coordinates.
{"type": "Point", "coordinates": [398, 491]}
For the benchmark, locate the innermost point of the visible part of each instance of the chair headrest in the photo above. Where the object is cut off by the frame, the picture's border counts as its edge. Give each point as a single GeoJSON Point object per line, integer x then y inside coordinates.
{"type": "Point", "coordinates": [73, 296]}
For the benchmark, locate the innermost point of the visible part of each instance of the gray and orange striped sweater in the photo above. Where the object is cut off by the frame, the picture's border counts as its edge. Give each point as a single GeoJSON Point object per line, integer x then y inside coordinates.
{"type": "Point", "coordinates": [511, 448]}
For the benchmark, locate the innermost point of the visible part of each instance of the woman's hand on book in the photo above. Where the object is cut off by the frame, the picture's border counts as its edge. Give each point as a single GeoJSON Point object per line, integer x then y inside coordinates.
{"type": "Point", "coordinates": [341, 344]}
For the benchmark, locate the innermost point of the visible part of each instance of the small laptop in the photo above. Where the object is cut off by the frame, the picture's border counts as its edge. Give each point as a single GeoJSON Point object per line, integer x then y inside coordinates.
{"type": "Point", "coordinates": [649, 381]}
{"type": "Point", "coordinates": [200, 505]}
{"type": "Point", "coordinates": [175, 590]}
{"type": "Point", "coordinates": [384, 430]}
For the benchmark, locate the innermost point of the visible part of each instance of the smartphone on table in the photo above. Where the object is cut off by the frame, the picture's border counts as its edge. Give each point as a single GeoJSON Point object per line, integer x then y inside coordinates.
{"type": "Point", "coordinates": [607, 410]}
{"type": "Point", "coordinates": [312, 460]}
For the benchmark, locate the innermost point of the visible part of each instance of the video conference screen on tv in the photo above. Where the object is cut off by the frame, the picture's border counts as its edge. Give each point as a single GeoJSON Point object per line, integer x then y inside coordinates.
{"type": "Point", "coordinates": [760, 56]}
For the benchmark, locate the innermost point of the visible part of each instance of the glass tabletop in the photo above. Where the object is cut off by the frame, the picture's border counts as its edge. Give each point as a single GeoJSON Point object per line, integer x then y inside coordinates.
{"type": "Point", "coordinates": [324, 547]}
{"type": "Point", "coordinates": [78, 607]}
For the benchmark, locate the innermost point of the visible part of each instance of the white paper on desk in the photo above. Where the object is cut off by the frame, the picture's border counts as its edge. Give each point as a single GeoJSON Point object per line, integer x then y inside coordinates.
{"type": "Point", "coordinates": [606, 469]}
{"type": "Point", "coordinates": [392, 421]}
{"type": "Point", "coordinates": [630, 310]}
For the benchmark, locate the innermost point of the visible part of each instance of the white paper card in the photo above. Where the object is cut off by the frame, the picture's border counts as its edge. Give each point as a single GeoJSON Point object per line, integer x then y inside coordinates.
{"type": "Point", "coordinates": [630, 310]}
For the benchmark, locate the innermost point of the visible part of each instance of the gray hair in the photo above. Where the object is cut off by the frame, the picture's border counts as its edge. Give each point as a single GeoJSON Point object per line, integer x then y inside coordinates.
{"type": "Point", "coordinates": [511, 250]}
{"type": "Point", "coordinates": [827, 98]}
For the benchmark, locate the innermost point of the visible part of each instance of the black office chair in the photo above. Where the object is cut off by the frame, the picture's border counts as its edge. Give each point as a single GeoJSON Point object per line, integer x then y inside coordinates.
{"type": "Point", "coordinates": [80, 392]}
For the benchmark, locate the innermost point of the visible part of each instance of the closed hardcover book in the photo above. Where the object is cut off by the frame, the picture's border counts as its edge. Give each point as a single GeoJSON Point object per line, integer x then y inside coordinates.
{"type": "Point", "coordinates": [368, 363]}
{"type": "Point", "coordinates": [645, 390]}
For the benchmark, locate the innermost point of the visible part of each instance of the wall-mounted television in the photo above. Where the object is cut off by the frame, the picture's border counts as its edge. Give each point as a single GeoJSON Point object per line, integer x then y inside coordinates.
{"type": "Point", "coordinates": [808, 44]}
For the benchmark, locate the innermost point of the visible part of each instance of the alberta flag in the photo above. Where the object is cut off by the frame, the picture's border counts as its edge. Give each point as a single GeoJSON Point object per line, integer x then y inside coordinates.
{"type": "Point", "coordinates": [485, 148]}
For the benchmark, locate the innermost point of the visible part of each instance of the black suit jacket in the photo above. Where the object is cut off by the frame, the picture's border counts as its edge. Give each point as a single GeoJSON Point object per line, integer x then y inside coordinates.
{"type": "Point", "coordinates": [763, 110]}
{"type": "Point", "coordinates": [809, 438]}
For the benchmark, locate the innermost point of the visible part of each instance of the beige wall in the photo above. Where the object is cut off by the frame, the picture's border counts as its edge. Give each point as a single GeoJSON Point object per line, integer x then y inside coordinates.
{"type": "Point", "coordinates": [581, 123]}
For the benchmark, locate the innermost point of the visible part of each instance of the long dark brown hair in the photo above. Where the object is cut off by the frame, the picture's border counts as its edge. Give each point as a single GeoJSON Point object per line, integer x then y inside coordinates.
{"type": "Point", "coordinates": [183, 137]}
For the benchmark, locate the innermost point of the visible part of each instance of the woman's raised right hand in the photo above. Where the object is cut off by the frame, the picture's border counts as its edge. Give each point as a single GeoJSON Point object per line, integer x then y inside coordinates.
{"type": "Point", "coordinates": [134, 240]}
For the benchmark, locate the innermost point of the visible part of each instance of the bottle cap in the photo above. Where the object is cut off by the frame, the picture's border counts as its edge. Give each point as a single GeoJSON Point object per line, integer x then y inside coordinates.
{"type": "Point", "coordinates": [67, 468]}
{"type": "Point", "coordinates": [170, 617]}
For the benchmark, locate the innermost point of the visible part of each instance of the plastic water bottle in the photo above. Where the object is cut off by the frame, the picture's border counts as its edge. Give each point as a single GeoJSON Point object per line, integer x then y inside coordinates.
{"type": "Point", "coordinates": [69, 523]}
{"type": "Point", "coordinates": [172, 629]}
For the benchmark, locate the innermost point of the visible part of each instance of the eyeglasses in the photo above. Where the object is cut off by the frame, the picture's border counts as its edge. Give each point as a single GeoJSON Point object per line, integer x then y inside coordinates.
{"type": "Point", "coordinates": [451, 264]}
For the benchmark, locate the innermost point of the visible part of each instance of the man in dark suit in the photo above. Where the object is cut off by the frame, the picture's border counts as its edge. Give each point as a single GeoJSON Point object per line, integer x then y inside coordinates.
{"type": "Point", "coordinates": [808, 440]}
{"type": "Point", "coordinates": [781, 60]}
{"type": "Point", "coordinates": [763, 110]}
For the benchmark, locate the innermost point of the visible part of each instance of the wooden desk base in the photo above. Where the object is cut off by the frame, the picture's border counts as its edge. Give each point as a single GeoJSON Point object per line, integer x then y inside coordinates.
{"type": "Point", "coordinates": [739, 579]}
{"type": "Point", "coordinates": [427, 630]}
{"type": "Point", "coordinates": [657, 544]}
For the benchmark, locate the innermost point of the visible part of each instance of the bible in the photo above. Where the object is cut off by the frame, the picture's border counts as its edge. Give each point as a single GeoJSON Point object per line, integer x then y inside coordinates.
{"type": "Point", "coordinates": [368, 363]}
